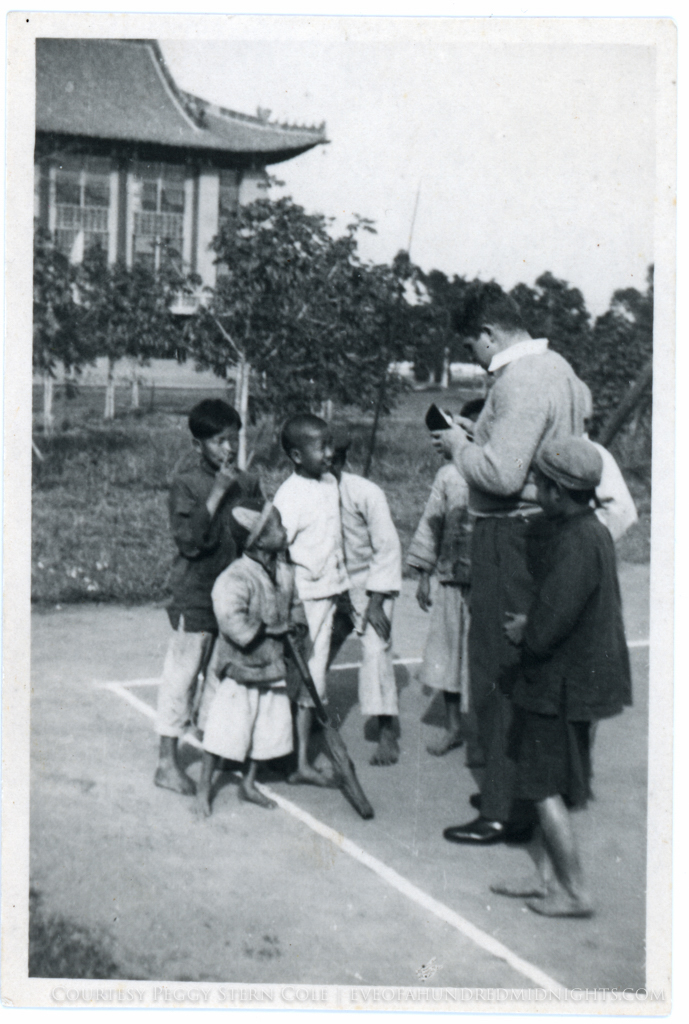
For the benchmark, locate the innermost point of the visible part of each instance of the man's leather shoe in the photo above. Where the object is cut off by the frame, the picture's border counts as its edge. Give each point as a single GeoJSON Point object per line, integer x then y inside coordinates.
{"type": "Point", "coordinates": [480, 832]}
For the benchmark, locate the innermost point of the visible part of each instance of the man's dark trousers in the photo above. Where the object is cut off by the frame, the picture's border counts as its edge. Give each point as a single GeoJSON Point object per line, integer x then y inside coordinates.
{"type": "Point", "coordinates": [500, 582]}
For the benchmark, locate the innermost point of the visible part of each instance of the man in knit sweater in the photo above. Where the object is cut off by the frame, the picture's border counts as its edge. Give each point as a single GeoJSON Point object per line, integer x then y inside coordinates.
{"type": "Point", "coordinates": [536, 398]}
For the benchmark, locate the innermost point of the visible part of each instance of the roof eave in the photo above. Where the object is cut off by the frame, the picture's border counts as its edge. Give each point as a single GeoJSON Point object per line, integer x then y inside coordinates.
{"type": "Point", "coordinates": [203, 154]}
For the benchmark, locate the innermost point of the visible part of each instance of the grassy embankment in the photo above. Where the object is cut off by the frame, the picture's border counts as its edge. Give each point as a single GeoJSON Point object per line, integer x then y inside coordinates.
{"type": "Point", "coordinates": [100, 530]}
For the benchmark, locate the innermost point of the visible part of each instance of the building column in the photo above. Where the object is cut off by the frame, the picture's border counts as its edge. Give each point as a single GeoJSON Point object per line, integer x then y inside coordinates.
{"type": "Point", "coordinates": [207, 224]}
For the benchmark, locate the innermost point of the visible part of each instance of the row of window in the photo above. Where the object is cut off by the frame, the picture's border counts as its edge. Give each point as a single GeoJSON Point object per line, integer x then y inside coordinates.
{"type": "Point", "coordinates": [81, 199]}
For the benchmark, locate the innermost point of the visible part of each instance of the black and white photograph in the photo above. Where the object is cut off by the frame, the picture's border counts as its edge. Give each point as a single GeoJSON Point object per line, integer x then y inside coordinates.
{"type": "Point", "coordinates": [338, 585]}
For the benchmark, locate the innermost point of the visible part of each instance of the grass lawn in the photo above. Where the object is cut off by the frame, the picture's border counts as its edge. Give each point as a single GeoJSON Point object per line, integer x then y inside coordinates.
{"type": "Point", "coordinates": [100, 527]}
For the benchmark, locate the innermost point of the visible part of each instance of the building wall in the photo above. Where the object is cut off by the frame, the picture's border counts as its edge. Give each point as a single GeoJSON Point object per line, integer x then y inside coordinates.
{"type": "Point", "coordinates": [131, 207]}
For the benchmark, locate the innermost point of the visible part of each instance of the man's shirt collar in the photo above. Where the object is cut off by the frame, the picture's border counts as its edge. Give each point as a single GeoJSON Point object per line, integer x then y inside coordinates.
{"type": "Point", "coordinates": [532, 347]}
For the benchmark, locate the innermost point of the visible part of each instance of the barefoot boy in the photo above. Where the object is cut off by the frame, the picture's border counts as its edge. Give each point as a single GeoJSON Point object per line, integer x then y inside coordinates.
{"type": "Point", "coordinates": [309, 504]}
{"type": "Point", "coordinates": [575, 670]}
{"type": "Point", "coordinates": [204, 488]}
{"type": "Point", "coordinates": [442, 544]}
{"type": "Point", "coordinates": [373, 557]}
{"type": "Point", "coordinates": [256, 604]}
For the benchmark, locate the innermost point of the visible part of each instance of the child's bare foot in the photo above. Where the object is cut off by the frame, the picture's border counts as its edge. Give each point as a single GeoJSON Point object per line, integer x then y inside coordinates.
{"type": "Point", "coordinates": [202, 805]}
{"type": "Point", "coordinates": [387, 751]}
{"type": "Point", "coordinates": [449, 741]}
{"type": "Point", "coordinates": [251, 795]}
{"type": "Point", "coordinates": [305, 774]}
{"type": "Point", "coordinates": [521, 888]}
{"type": "Point", "coordinates": [169, 776]}
{"type": "Point", "coordinates": [561, 904]}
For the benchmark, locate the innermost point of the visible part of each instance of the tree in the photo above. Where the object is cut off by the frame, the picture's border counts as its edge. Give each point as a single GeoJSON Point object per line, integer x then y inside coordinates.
{"type": "Point", "coordinates": [57, 337]}
{"type": "Point", "coordinates": [126, 311]}
{"type": "Point", "coordinates": [555, 310]}
{"type": "Point", "coordinates": [436, 343]}
{"type": "Point", "coordinates": [295, 311]}
{"type": "Point", "coordinates": [622, 347]}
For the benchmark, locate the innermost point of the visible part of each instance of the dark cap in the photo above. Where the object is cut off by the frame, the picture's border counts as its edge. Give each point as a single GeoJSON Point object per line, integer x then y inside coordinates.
{"type": "Point", "coordinates": [573, 462]}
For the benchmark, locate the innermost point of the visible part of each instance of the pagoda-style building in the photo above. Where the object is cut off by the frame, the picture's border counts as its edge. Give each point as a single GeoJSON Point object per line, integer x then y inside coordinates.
{"type": "Point", "coordinates": [128, 161]}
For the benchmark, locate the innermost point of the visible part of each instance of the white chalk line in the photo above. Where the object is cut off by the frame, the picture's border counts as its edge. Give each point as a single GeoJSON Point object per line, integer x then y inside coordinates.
{"type": "Point", "coordinates": [344, 667]}
{"type": "Point", "coordinates": [155, 681]}
{"type": "Point", "coordinates": [476, 935]}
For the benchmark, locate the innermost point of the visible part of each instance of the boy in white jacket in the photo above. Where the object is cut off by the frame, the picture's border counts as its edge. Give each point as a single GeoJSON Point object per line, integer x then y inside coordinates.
{"type": "Point", "coordinates": [373, 556]}
{"type": "Point", "coordinates": [309, 504]}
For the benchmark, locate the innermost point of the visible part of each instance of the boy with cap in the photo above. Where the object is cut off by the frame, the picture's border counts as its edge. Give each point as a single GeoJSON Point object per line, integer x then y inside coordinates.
{"type": "Point", "coordinates": [205, 486]}
{"type": "Point", "coordinates": [309, 504]}
{"type": "Point", "coordinates": [256, 604]}
{"type": "Point", "coordinates": [373, 557]}
{"type": "Point", "coordinates": [574, 669]}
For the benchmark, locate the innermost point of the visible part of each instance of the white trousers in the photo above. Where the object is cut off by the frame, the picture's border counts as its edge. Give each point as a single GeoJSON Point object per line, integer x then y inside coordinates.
{"type": "Point", "coordinates": [377, 687]}
{"type": "Point", "coordinates": [249, 721]}
{"type": "Point", "coordinates": [319, 616]}
{"type": "Point", "coordinates": [183, 660]}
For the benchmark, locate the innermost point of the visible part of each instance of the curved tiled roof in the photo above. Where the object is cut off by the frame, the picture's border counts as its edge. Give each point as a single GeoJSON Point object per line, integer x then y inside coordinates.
{"type": "Point", "coordinates": [122, 90]}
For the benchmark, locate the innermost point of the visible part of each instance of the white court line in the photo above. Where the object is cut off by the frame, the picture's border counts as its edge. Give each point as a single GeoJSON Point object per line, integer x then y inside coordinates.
{"type": "Point", "coordinates": [344, 667]}
{"type": "Point", "coordinates": [476, 935]}
{"type": "Point", "coordinates": [357, 664]}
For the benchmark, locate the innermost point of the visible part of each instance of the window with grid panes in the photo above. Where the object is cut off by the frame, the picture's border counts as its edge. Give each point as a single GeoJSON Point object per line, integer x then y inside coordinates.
{"type": "Point", "coordinates": [228, 201]}
{"type": "Point", "coordinates": [158, 203]}
{"type": "Point", "coordinates": [82, 202]}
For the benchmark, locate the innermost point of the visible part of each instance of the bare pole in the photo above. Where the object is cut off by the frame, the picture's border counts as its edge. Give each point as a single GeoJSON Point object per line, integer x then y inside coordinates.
{"type": "Point", "coordinates": [384, 378]}
{"type": "Point", "coordinates": [413, 220]}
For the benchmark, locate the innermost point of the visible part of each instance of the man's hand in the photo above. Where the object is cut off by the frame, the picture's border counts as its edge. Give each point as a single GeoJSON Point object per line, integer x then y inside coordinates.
{"type": "Point", "coordinates": [514, 627]}
{"type": "Point", "coordinates": [454, 440]}
{"type": "Point", "coordinates": [467, 426]}
{"type": "Point", "coordinates": [423, 591]}
{"type": "Point", "coordinates": [377, 617]}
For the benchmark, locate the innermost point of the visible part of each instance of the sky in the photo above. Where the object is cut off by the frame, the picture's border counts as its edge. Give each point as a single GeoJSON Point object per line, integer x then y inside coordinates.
{"type": "Point", "coordinates": [525, 157]}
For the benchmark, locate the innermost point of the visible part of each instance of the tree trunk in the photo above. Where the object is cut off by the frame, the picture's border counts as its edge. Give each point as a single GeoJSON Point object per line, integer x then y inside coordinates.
{"type": "Point", "coordinates": [243, 374]}
{"type": "Point", "coordinates": [48, 420]}
{"type": "Point", "coordinates": [376, 421]}
{"type": "Point", "coordinates": [109, 411]}
{"type": "Point", "coordinates": [135, 392]}
{"type": "Point", "coordinates": [629, 402]}
{"type": "Point", "coordinates": [445, 375]}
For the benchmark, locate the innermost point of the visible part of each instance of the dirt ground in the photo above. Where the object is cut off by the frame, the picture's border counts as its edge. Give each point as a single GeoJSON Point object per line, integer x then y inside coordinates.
{"type": "Point", "coordinates": [256, 896]}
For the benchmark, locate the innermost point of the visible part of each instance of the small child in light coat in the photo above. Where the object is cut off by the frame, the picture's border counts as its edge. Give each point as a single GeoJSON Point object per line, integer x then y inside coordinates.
{"type": "Point", "coordinates": [256, 604]}
{"type": "Point", "coordinates": [442, 545]}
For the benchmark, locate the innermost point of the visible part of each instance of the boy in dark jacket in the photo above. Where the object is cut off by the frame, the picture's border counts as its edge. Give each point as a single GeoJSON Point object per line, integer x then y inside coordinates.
{"type": "Point", "coordinates": [205, 487]}
{"type": "Point", "coordinates": [574, 669]}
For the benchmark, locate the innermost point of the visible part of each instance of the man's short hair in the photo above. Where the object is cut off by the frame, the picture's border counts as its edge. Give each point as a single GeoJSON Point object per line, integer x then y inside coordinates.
{"type": "Point", "coordinates": [487, 304]}
{"type": "Point", "coordinates": [296, 428]}
{"type": "Point", "coordinates": [211, 416]}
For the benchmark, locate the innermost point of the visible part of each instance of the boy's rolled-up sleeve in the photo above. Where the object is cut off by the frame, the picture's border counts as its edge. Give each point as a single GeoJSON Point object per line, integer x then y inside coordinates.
{"type": "Point", "coordinates": [232, 607]}
{"type": "Point", "coordinates": [190, 521]}
{"type": "Point", "coordinates": [425, 546]}
{"type": "Point", "coordinates": [385, 570]}
{"type": "Point", "coordinates": [561, 599]}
